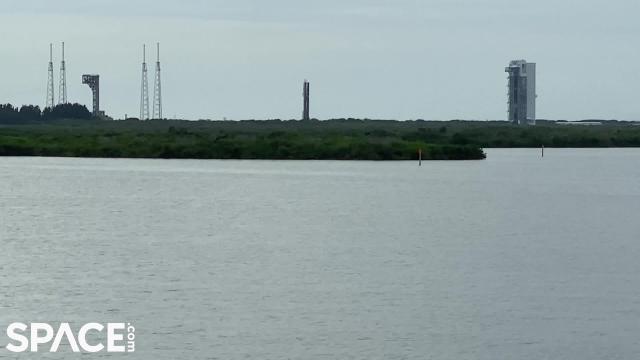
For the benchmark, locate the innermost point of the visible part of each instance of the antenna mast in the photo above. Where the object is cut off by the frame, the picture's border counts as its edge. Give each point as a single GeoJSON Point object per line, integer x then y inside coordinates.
{"type": "Point", "coordinates": [157, 90]}
{"type": "Point", "coordinates": [50, 94]}
{"type": "Point", "coordinates": [62, 88]}
{"type": "Point", "coordinates": [144, 95]}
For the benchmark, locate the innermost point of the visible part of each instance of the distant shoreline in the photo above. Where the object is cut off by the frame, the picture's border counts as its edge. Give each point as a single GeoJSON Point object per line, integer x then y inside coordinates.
{"type": "Point", "coordinates": [245, 140]}
{"type": "Point", "coordinates": [340, 139]}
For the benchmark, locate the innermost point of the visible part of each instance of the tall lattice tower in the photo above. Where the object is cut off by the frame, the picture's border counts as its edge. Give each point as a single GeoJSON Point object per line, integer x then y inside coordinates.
{"type": "Point", "coordinates": [157, 90]}
{"type": "Point", "coordinates": [62, 87]}
{"type": "Point", "coordinates": [144, 93]}
{"type": "Point", "coordinates": [50, 93]}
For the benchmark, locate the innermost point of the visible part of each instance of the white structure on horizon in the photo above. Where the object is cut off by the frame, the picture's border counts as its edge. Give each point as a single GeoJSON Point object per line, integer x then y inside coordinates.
{"type": "Point", "coordinates": [522, 92]}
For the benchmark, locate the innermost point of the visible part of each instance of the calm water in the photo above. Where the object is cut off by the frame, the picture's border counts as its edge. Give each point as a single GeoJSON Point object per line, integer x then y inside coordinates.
{"type": "Point", "coordinates": [514, 257]}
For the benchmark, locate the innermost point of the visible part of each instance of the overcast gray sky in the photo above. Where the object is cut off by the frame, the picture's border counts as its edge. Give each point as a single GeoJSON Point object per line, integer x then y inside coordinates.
{"type": "Point", "coordinates": [399, 59]}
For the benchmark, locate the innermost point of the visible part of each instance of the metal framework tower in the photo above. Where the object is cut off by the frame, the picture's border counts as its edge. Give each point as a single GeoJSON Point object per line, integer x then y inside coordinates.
{"type": "Point", "coordinates": [144, 93]}
{"type": "Point", "coordinates": [306, 95]}
{"type": "Point", "coordinates": [50, 92]}
{"type": "Point", "coordinates": [157, 90]}
{"type": "Point", "coordinates": [94, 83]}
{"type": "Point", "coordinates": [62, 87]}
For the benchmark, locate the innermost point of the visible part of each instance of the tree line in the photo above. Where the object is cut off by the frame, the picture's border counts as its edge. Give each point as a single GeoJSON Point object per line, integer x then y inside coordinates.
{"type": "Point", "coordinates": [339, 139]}
{"type": "Point", "coordinates": [10, 114]}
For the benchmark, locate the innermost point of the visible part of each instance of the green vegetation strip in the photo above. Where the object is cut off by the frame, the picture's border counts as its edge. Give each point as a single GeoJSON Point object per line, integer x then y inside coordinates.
{"type": "Point", "coordinates": [340, 139]}
{"type": "Point", "coordinates": [275, 140]}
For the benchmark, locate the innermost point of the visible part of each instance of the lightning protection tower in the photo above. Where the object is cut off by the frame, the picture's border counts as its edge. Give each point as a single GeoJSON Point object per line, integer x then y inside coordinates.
{"type": "Point", "coordinates": [62, 87]}
{"type": "Point", "coordinates": [157, 90]}
{"type": "Point", "coordinates": [50, 94]}
{"type": "Point", "coordinates": [144, 92]}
